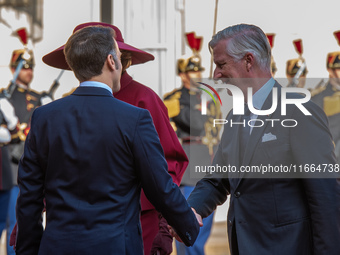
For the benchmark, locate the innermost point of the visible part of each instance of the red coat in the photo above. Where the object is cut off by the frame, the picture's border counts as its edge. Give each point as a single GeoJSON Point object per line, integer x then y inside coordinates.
{"type": "Point", "coordinates": [139, 95]}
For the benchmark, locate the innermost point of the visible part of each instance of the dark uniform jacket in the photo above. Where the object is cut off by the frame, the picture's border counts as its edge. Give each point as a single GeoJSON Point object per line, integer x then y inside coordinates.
{"type": "Point", "coordinates": [24, 102]}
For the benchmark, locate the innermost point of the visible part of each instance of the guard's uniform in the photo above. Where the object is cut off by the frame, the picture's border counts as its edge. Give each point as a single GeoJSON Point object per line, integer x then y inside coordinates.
{"type": "Point", "coordinates": [24, 101]}
{"type": "Point", "coordinates": [296, 69]}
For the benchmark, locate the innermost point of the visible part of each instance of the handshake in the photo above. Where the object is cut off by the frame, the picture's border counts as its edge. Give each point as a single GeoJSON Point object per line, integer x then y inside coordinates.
{"type": "Point", "coordinates": [173, 232]}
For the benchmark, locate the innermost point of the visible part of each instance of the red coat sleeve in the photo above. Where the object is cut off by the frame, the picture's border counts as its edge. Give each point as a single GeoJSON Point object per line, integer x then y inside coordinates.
{"type": "Point", "coordinates": [173, 151]}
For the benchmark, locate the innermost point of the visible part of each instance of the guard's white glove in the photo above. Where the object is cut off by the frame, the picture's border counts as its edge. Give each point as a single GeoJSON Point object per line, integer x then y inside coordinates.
{"type": "Point", "coordinates": [9, 113]}
{"type": "Point", "coordinates": [45, 100]}
{"type": "Point", "coordinates": [5, 135]}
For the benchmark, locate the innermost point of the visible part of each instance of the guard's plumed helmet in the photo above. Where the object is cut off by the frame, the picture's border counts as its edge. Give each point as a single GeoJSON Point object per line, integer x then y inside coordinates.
{"type": "Point", "coordinates": [24, 54]}
{"type": "Point", "coordinates": [333, 58]}
{"type": "Point", "coordinates": [192, 63]}
{"type": "Point", "coordinates": [293, 65]}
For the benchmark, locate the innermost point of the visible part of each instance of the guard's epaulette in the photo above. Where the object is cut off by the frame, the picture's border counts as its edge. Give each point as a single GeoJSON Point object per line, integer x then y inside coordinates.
{"type": "Point", "coordinates": [318, 89]}
{"type": "Point", "coordinates": [171, 94]}
{"type": "Point", "coordinates": [171, 101]}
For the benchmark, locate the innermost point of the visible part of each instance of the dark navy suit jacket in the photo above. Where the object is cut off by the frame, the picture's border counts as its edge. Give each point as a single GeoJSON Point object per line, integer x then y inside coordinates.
{"type": "Point", "coordinates": [89, 155]}
{"type": "Point", "coordinates": [277, 216]}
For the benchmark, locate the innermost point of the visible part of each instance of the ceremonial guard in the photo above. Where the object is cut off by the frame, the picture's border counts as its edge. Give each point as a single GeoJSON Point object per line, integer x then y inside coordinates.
{"type": "Point", "coordinates": [197, 133]}
{"type": "Point", "coordinates": [327, 95]}
{"type": "Point", "coordinates": [296, 69]}
{"type": "Point", "coordinates": [24, 100]}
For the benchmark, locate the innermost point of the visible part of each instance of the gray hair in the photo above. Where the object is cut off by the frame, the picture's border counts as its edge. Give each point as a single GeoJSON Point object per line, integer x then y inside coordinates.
{"type": "Point", "coordinates": [113, 53]}
{"type": "Point", "coordinates": [245, 38]}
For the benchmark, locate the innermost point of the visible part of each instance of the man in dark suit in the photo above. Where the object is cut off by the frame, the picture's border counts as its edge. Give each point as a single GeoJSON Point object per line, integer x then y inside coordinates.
{"type": "Point", "coordinates": [267, 216]}
{"type": "Point", "coordinates": [156, 236]}
{"type": "Point", "coordinates": [89, 155]}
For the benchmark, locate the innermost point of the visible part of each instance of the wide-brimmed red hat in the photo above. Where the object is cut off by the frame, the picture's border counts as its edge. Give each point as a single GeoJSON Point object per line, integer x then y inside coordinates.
{"type": "Point", "coordinates": [57, 59]}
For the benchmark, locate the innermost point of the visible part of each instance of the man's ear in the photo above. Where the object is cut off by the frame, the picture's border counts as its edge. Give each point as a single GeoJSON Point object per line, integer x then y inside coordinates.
{"type": "Point", "coordinates": [249, 58]}
{"type": "Point", "coordinates": [182, 75]}
{"type": "Point", "coordinates": [111, 62]}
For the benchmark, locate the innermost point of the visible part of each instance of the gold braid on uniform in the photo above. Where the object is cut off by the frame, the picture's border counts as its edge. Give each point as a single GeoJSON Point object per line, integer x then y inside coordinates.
{"type": "Point", "coordinates": [211, 137]}
{"type": "Point", "coordinates": [173, 104]}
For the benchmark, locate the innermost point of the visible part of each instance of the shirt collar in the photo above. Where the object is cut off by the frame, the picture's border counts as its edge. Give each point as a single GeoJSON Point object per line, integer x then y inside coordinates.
{"type": "Point", "coordinates": [96, 84]}
{"type": "Point", "coordinates": [25, 87]}
{"type": "Point", "coordinates": [261, 95]}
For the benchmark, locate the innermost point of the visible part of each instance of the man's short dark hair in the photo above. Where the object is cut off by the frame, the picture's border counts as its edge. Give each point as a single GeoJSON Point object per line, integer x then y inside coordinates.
{"type": "Point", "coordinates": [87, 49]}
